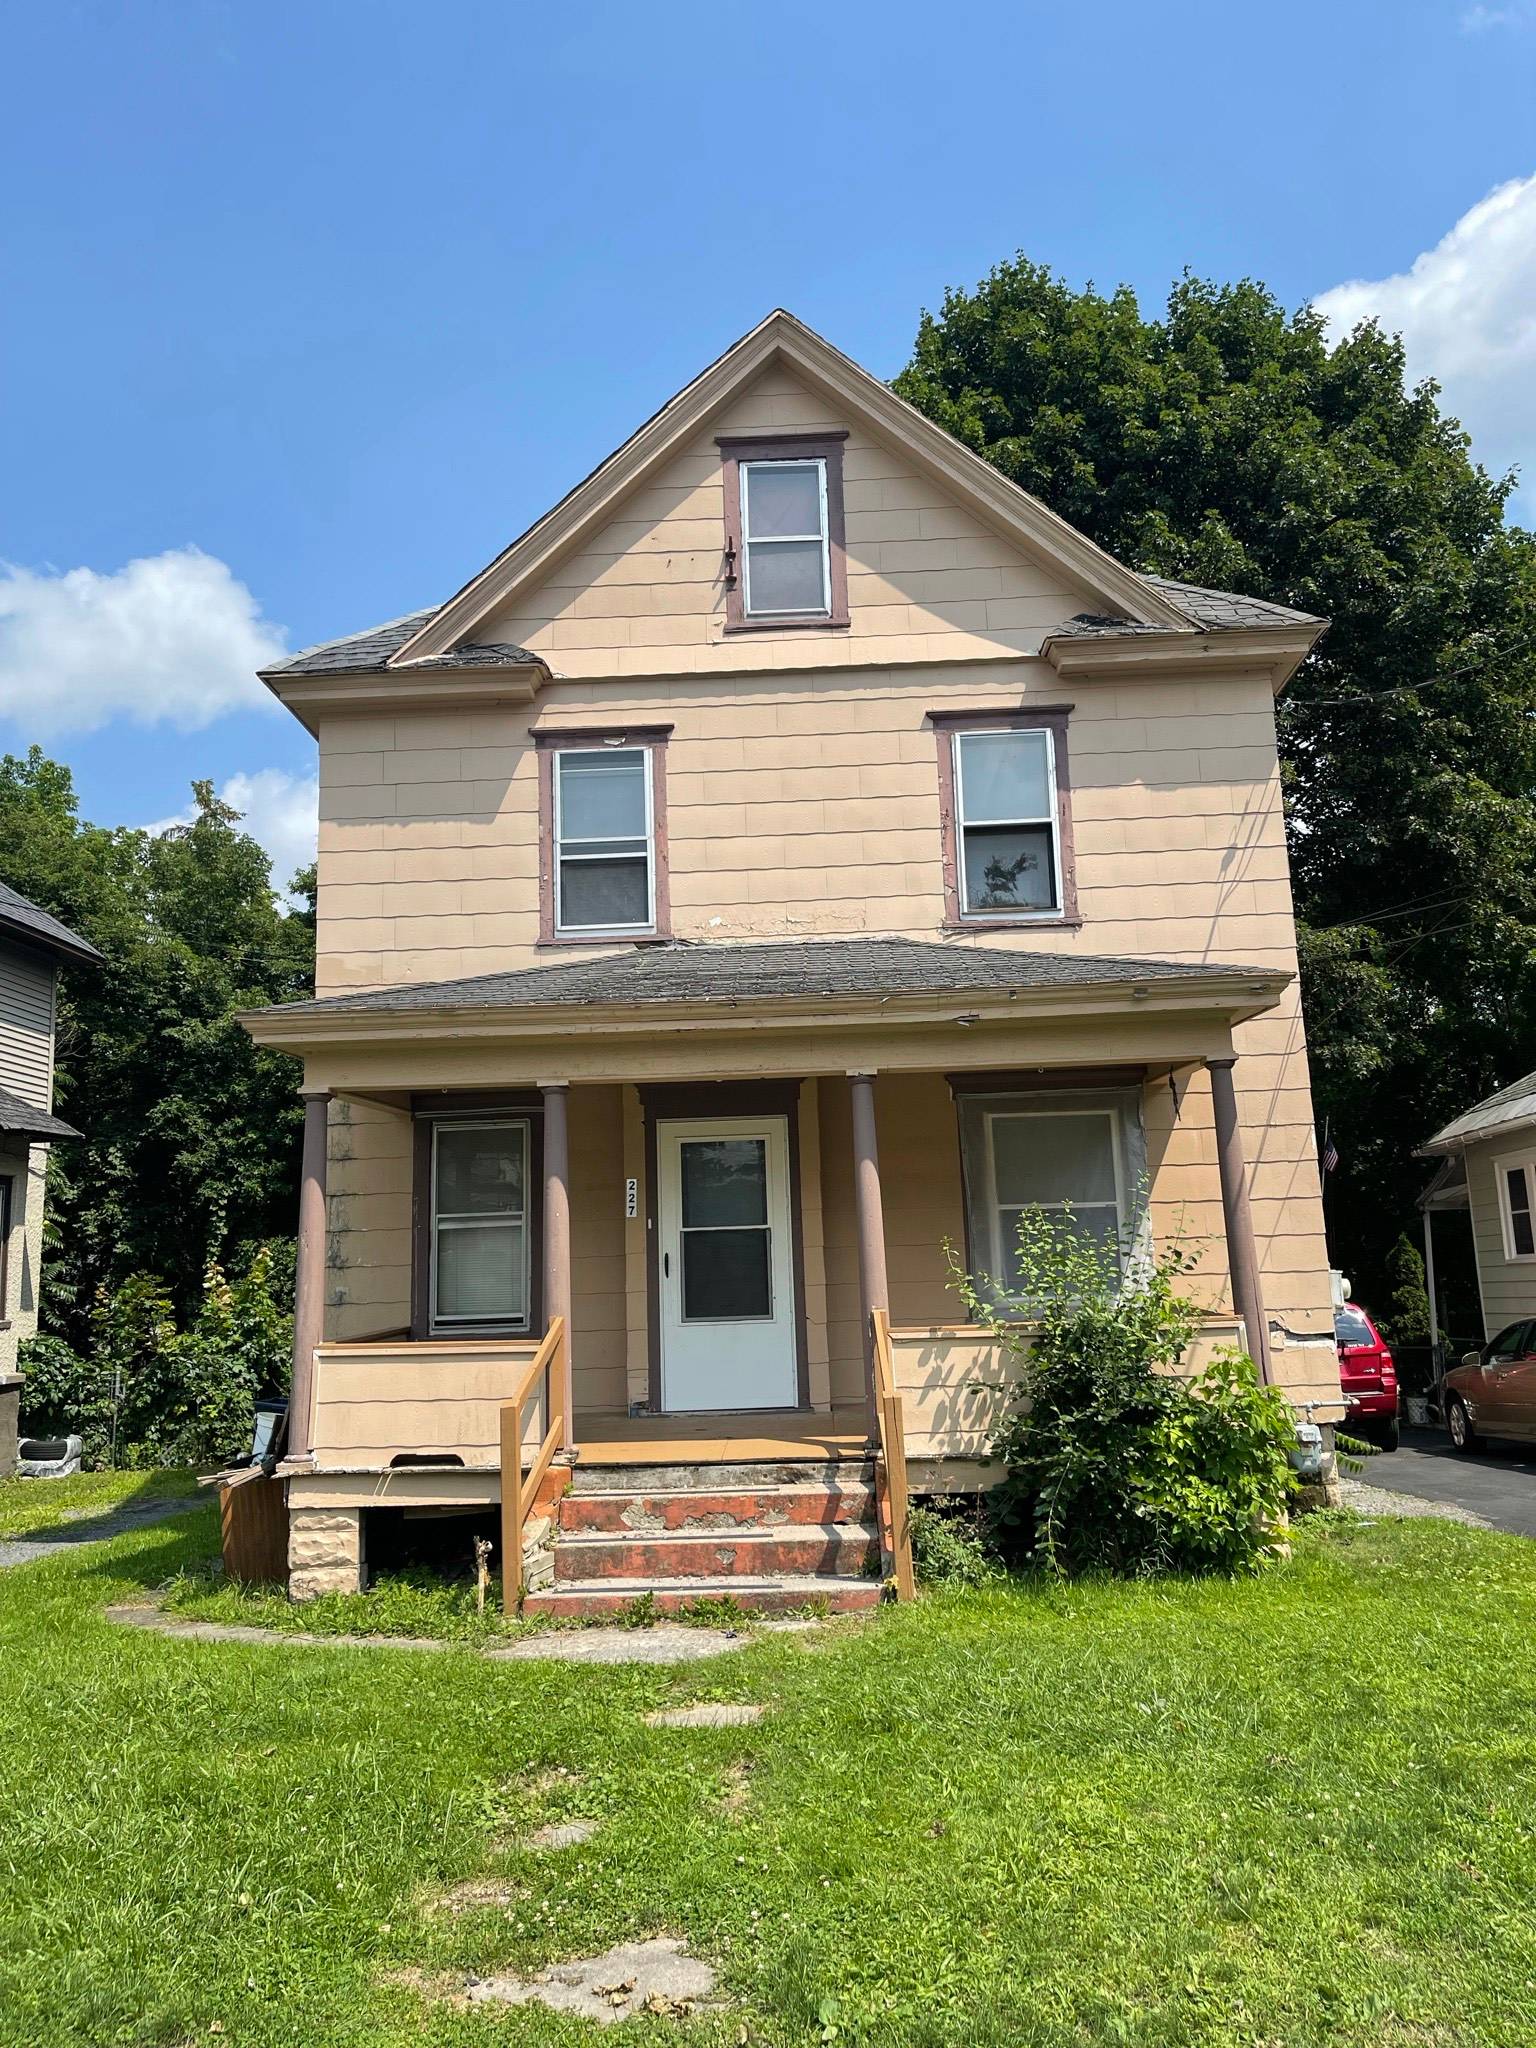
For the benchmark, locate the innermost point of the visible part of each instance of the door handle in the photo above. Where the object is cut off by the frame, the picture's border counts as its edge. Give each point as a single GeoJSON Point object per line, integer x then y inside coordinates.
{"type": "Point", "coordinates": [666, 1265]}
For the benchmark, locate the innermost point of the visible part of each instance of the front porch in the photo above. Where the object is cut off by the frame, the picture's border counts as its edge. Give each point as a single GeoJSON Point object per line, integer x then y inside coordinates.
{"type": "Point", "coordinates": [748, 1264]}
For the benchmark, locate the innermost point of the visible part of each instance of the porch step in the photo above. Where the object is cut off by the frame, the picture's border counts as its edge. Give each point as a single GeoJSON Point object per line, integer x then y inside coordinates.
{"type": "Point", "coordinates": [834, 1551]}
{"type": "Point", "coordinates": [592, 1600]}
{"type": "Point", "coordinates": [649, 1477]}
{"type": "Point", "coordinates": [631, 1511]}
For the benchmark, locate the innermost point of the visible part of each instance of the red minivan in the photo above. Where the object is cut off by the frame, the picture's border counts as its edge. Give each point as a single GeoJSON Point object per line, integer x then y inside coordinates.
{"type": "Point", "coordinates": [1367, 1376]}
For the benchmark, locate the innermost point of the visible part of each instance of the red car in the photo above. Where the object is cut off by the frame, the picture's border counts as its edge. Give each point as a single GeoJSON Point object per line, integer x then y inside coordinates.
{"type": "Point", "coordinates": [1367, 1376]}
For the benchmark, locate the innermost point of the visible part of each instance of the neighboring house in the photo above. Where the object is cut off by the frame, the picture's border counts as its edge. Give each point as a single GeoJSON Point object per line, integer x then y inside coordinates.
{"type": "Point", "coordinates": [1488, 1169]}
{"type": "Point", "coordinates": [799, 850]}
{"type": "Point", "coordinates": [33, 946]}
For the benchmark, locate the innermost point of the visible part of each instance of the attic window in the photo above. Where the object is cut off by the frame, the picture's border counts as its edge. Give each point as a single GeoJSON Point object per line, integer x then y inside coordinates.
{"type": "Point", "coordinates": [784, 554]}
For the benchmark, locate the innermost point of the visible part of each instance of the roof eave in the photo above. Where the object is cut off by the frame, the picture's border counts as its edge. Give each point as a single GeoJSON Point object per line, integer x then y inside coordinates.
{"type": "Point", "coordinates": [67, 945]}
{"type": "Point", "coordinates": [327, 692]}
{"type": "Point", "coordinates": [1450, 1141]}
{"type": "Point", "coordinates": [1276, 650]}
{"type": "Point", "coordinates": [1238, 997]}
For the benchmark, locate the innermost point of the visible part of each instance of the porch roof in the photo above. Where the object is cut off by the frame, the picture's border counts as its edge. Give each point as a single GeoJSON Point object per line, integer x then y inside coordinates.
{"type": "Point", "coordinates": [729, 974]}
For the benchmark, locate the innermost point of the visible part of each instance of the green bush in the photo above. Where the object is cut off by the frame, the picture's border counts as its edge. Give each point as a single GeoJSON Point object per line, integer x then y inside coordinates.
{"type": "Point", "coordinates": [1115, 1459]}
{"type": "Point", "coordinates": [950, 1549]}
{"type": "Point", "coordinates": [182, 1397]}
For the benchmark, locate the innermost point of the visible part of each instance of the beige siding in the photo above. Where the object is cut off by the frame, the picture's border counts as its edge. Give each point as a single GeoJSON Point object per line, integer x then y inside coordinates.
{"type": "Point", "coordinates": [373, 1401]}
{"type": "Point", "coordinates": [925, 576]}
{"type": "Point", "coordinates": [26, 1025]}
{"type": "Point", "coordinates": [1507, 1286]}
{"type": "Point", "coordinates": [26, 1167]}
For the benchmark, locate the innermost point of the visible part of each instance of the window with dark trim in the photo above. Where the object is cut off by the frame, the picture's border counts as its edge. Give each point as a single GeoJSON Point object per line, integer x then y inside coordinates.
{"type": "Point", "coordinates": [785, 560]}
{"type": "Point", "coordinates": [1516, 1180]}
{"type": "Point", "coordinates": [1005, 813]}
{"type": "Point", "coordinates": [480, 1248]}
{"type": "Point", "coordinates": [602, 832]}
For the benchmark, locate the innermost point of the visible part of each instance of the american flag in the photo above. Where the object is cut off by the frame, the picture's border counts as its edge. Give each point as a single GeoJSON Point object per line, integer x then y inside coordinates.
{"type": "Point", "coordinates": [1330, 1159]}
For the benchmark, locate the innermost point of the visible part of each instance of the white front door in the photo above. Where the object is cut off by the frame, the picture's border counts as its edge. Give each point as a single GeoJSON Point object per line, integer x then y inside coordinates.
{"type": "Point", "coordinates": [726, 1264]}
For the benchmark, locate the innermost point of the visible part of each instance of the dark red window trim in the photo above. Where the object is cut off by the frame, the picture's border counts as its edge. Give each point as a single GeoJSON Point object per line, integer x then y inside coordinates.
{"type": "Point", "coordinates": [1050, 718]}
{"type": "Point", "coordinates": [736, 449]}
{"type": "Point", "coordinates": [550, 740]}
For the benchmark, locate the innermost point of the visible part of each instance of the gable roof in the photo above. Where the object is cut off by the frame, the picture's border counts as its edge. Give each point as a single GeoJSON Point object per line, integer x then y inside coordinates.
{"type": "Point", "coordinates": [27, 920]}
{"type": "Point", "coordinates": [1510, 1109]}
{"type": "Point", "coordinates": [782, 338]}
{"type": "Point", "coordinates": [727, 973]}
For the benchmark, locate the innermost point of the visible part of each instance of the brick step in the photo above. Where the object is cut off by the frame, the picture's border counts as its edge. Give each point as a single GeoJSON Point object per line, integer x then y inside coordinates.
{"type": "Point", "coordinates": [642, 1477]}
{"type": "Point", "coordinates": [692, 1511]}
{"type": "Point", "coordinates": [591, 1600]}
{"type": "Point", "coordinates": [841, 1552]}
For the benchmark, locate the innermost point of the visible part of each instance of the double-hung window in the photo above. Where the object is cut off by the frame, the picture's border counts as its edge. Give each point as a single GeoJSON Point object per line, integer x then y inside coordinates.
{"type": "Point", "coordinates": [604, 831]}
{"type": "Point", "coordinates": [1516, 1180]}
{"type": "Point", "coordinates": [1008, 850]}
{"type": "Point", "coordinates": [1060, 1153]}
{"type": "Point", "coordinates": [480, 1224]}
{"type": "Point", "coordinates": [785, 563]}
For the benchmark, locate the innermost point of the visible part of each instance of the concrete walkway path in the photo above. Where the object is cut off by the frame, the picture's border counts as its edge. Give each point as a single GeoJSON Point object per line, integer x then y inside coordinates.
{"type": "Point", "coordinates": [92, 1527]}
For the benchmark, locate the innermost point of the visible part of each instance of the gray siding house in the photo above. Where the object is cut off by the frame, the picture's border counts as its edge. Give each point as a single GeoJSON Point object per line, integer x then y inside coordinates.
{"type": "Point", "coordinates": [33, 946]}
{"type": "Point", "coordinates": [1488, 1156]}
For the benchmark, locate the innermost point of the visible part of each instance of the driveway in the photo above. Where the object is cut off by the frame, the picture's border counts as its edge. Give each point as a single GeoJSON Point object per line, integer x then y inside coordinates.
{"type": "Point", "coordinates": [91, 1526]}
{"type": "Point", "coordinates": [1498, 1481]}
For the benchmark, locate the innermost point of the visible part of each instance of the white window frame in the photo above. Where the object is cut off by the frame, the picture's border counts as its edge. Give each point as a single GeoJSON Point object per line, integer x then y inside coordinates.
{"type": "Point", "coordinates": [559, 857]}
{"type": "Point", "coordinates": [1051, 821]}
{"type": "Point", "coordinates": [744, 469]}
{"type": "Point", "coordinates": [463, 1219]}
{"type": "Point", "coordinates": [1502, 1168]}
{"type": "Point", "coordinates": [990, 1117]}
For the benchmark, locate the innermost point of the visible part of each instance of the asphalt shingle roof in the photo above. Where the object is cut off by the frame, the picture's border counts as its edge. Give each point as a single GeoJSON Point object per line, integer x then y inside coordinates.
{"type": "Point", "coordinates": [359, 653]}
{"type": "Point", "coordinates": [721, 972]}
{"type": "Point", "coordinates": [27, 920]}
{"type": "Point", "coordinates": [20, 1119]}
{"type": "Point", "coordinates": [1212, 611]}
{"type": "Point", "coordinates": [1509, 1108]}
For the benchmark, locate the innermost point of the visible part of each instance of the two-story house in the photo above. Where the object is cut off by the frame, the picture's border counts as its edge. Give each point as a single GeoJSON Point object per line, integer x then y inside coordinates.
{"type": "Point", "coordinates": [800, 849]}
{"type": "Point", "coordinates": [33, 945]}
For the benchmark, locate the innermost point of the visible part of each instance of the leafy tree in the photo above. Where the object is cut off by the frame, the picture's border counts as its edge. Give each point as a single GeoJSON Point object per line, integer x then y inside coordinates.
{"type": "Point", "coordinates": [1226, 443]}
{"type": "Point", "coordinates": [191, 1132]}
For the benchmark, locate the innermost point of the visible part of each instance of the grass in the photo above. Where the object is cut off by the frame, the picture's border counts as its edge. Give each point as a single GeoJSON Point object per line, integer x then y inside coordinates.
{"type": "Point", "coordinates": [1278, 1814]}
{"type": "Point", "coordinates": [29, 1507]}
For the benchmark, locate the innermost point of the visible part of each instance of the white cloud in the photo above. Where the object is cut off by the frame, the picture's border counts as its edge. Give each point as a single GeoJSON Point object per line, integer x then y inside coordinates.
{"type": "Point", "coordinates": [1477, 20]}
{"type": "Point", "coordinates": [173, 638]}
{"type": "Point", "coordinates": [1467, 313]}
{"type": "Point", "coordinates": [278, 810]}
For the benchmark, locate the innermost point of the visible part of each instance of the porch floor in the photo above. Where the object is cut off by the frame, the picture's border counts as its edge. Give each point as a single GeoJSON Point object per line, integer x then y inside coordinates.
{"type": "Point", "coordinates": [722, 1439]}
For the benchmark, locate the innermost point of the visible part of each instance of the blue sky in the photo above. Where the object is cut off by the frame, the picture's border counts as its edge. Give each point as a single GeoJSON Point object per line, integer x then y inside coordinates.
{"type": "Point", "coordinates": [342, 294]}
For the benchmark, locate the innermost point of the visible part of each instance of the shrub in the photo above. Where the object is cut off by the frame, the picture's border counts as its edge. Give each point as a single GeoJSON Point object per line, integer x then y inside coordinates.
{"type": "Point", "coordinates": [1114, 1458]}
{"type": "Point", "coordinates": [182, 1397]}
{"type": "Point", "coordinates": [949, 1549]}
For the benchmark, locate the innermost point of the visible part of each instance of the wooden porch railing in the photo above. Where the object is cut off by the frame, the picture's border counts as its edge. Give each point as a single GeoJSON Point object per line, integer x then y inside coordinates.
{"type": "Point", "coordinates": [891, 1475]}
{"type": "Point", "coordinates": [519, 1490]}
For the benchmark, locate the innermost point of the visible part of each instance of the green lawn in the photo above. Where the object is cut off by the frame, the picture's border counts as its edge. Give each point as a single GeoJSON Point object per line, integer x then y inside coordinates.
{"type": "Point", "coordinates": [1274, 1814]}
{"type": "Point", "coordinates": [29, 1506]}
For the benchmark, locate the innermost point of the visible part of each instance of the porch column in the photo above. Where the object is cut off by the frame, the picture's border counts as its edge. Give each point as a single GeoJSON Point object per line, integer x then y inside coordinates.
{"type": "Point", "coordinates": [308, 1272]}
{"type": "Point", "coordinates": [873, 1289]}
{"type": "Point", "coordinates": [557, 1232]}
{"type": "Point", "coordinates": [1242, 1253]}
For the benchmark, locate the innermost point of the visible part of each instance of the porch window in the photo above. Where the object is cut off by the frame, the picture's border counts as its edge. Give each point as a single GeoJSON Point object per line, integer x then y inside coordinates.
{"type": "Point", "coordinates": [1516, 1180]}
{"type": "Point", "coordinates": [604, 840]}
{"type": "Point", "coordinates": [480, 1263]}
{"type": "Point", "coordinates": [1053, 1153]}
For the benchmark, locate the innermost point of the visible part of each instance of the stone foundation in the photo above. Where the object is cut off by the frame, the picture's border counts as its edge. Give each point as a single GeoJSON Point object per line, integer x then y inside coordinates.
{"type": "Point", "coordinates": [325, 1552]}
{"type": "Point", "coordinates": [10, 1402]}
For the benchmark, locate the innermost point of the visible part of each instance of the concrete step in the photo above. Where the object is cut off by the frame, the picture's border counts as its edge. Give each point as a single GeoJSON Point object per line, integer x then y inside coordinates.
{"type": "Point", "coordinates": [842, 1552]}
{"type": "Point", "coordinates": [649, 1477]}
{"type": "Point", "coordinates": [591, 1600]}
{"type": "Point", "coordinates": [693, 1511]}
